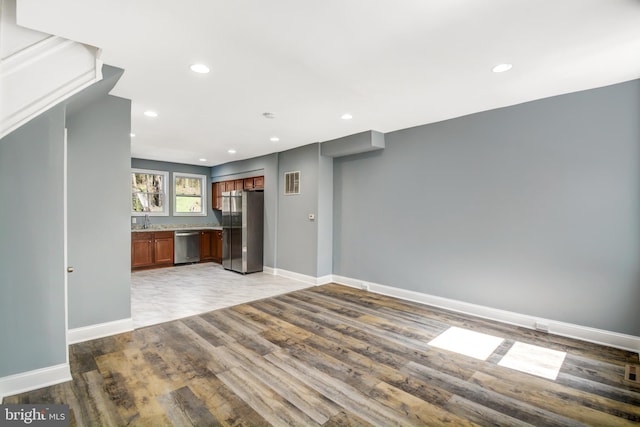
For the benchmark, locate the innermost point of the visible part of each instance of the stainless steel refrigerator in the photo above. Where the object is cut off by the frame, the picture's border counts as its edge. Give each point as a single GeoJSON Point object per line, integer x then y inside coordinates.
{"type": "Point", "coordinates": [242, 230]}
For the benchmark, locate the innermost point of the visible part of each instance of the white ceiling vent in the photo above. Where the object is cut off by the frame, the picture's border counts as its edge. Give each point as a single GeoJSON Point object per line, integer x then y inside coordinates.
{"type": "Point", "coordinates": [291, 183]}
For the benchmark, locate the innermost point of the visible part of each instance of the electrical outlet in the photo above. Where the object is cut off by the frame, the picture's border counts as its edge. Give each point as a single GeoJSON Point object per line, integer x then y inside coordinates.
{"type": "Point", "coordinates": [133, 220]}
{"type": "Point", "coordinates": [364, 286]}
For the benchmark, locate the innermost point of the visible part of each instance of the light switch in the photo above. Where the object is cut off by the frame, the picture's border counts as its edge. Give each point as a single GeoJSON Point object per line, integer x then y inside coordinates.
{"type": "Point", "coordinates": [133, 220]}
{"type": "Point", "coordinates": [312, 217]}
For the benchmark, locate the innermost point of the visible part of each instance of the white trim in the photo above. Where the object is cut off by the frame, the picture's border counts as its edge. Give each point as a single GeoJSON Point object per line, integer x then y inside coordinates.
{"type": "Point", "coordinates": [26, 113]}
{"type": "Point", "coordinates": [324, 280]}
{"type": "Point", "coordinates": [297, 276]}
{"type": "Point", "coordinates": [165, 184]}
{"type": "Point", "coordinates": [32, 380]}
{"type": "Point", "coordinates": [64, 67]}
{"type": "Point", "coordinates": [65, 231]}
{"type": "Point", "coordinates": [269, 270]}
{"type": "Point", "coordinates": [99, 330]}
{"type": "Point", "coordinates": [584, 333]}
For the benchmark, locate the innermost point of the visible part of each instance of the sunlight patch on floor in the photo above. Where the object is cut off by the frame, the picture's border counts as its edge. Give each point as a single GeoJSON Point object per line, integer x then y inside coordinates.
{"type": "Point", "coordinates": [534, 360]}
{"type": "Point", "coordinates": [469, 343]}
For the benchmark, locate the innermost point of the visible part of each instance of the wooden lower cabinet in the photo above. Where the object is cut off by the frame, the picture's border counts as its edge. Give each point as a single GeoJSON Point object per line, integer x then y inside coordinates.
{"type": "Point", "coordinates": [151, 249]}
{"type": "Point", "coordinates": [211, 245]}
{"type": "Point", "coordinates": [206, 246]}
{"type": "Point", "coordinates": [163, 248]}
{"type": "Point", "coordinates": [217, 246]}
{"type": "Point", "coordinates": [141, 250]}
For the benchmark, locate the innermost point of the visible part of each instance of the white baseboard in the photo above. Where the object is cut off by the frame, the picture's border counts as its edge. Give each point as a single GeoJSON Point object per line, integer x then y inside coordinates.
{"type": "Point", "coordinates": [99, 330]}
{"type": "Point", "coordinates": [295, 276]}
{"type": "Point", "coordinates": [323, 280]}
{"type": "Point", "coordinates": [584, 333]}
{"type": "Point", "coordinates": [268, 270]}
{"type": "Point", "coordinates": [32, 380]}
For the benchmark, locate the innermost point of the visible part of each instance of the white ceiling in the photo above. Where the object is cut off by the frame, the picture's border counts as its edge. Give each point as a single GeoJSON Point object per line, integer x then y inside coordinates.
{"type": "Point", "coordinates": [391, 64]}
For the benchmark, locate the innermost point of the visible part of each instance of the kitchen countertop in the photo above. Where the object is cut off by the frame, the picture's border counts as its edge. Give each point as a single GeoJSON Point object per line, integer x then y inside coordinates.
{"type": "Point", "coordinates": [175, 227]}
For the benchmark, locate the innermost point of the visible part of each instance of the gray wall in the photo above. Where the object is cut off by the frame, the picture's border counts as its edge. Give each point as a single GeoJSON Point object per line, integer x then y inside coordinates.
{"type": "Point", "coordinates": [533, 208]}
{"type": "Point", "coordinates": [291, 241]}
{"type": "Point", "coordinates": [324, 217]}
{"type": "Point", "coordinates": [297, 236]}
{"type": "Point", "coordinates": [99, 238]}
{"type": "Point", "coordinates": [175, 167]}
{"type": "Point", "coordinates": [32, 269]}
{"type": "Point", "coordinates": [268, 167]}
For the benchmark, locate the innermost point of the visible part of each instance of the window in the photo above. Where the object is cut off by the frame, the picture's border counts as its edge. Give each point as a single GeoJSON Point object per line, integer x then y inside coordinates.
{"type": "Point", "coordinates": [189, 194]}
{"type": "Point", "coordinates": [148, 192]}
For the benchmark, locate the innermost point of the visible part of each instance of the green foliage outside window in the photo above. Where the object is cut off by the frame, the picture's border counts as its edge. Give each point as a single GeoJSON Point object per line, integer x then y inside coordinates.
{"type": "Point", "coordinates": [188, 195]}
{"type": "Point", "coordinates": [147, 192]}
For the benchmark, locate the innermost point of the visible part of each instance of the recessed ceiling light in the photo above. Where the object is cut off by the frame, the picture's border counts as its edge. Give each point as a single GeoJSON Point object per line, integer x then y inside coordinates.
{"type": "Point", "coordinates": [232, 151]}
{"type": "Point", "coordinates": [347, 116]}
{"type": "Point", "coordinates": [199, 68]}
{"type": "Point", "coordinates": [274, 139]}
{"type": "Point", "coordinates": [151, 114]}
{"type": "Point", "coordinates": [203, 160]}
{"type": "Point", "coordinates": [132, 135]}
{"type": "Point", "coordinates": [501, 68]}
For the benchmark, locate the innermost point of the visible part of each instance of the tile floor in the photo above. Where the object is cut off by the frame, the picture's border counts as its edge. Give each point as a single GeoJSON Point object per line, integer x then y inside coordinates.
{"type": "Point", "coordinates": [171, 293]}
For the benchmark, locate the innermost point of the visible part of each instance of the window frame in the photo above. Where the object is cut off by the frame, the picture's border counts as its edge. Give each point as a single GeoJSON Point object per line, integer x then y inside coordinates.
{"type": "Point", "coordinates": [203, 193]}
{"type": "Point", "coordinates": [165, 180]}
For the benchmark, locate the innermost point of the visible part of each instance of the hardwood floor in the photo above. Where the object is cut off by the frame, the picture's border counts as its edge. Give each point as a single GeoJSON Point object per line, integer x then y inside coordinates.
{"type": "Point", "coordinates": [334, 356]}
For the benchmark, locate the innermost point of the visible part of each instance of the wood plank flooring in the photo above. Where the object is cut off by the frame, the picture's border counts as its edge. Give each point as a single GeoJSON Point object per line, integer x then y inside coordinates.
{"type": "Point", "coordinates": [334, 356]}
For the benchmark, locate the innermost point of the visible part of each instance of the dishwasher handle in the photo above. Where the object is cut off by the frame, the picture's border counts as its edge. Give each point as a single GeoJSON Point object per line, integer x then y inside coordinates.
{"type": "Point", "coordinates": [186, 233]}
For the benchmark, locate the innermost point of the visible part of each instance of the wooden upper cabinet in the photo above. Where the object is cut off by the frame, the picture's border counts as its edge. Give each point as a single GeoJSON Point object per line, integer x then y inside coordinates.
{"type": "Point", "coordinates": [254, 183]}
{"type": "Point", "coordinates": [216, 195]}
{"type": "Point", "coordinates": [258, 182]}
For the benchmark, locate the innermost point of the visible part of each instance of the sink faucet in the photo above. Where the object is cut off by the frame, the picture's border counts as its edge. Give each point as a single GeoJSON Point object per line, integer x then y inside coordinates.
{"type": "Point", "coordinates": [147, 222]}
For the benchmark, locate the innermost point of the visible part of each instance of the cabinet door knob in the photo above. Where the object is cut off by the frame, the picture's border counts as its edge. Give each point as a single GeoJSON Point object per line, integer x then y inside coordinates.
{"type": "Point", "coordinates": [69, 269]}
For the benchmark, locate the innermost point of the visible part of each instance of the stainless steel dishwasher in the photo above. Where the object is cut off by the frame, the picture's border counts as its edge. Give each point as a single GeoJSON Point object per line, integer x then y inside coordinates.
{"type": "Point", "coordinates": [186, 247]}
